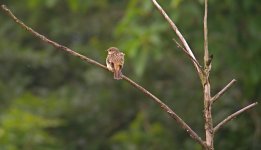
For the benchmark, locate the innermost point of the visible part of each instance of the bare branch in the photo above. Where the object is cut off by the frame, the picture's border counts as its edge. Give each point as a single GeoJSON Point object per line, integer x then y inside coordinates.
{"type": "Point", "coordinates": [43, 38]}
{"type": "Point", "coordinates": [180, 36]}
{"type": "Point", "coordinates": [234, 115]}
{"type": "Point", "coordinates": [220, 93]}
{"type": "Point", "coordinates": [169, 111]}
{"type": "Point", "coordinates": [86, 59]}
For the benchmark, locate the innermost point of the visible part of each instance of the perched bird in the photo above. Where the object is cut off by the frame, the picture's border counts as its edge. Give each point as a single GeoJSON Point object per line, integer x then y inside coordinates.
{"type": "Point", "coordinates": [115, 61]}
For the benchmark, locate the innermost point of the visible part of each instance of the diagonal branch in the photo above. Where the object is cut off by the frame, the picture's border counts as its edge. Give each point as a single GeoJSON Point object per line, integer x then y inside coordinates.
{"type": "Point", "coordinates": [220, 93]}
{"type": "Point", "coordinates": [46, 40]}
{"type": "Point", "coordinates": [180, 36]}
{"type": "Point", "coordinates": [91, 61]}
{"type": "Point", "coordinates": [186, 127]}
{"type": "Point", "coordinates": [234, 115]}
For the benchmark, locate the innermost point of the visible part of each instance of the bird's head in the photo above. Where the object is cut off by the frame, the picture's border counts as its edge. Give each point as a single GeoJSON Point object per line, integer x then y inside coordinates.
{"type": "Point", "coordinates": [112, 50]}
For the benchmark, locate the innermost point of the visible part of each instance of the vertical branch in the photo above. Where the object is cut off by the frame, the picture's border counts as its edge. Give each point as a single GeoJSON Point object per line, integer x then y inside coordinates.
{"type": "Point", "coordinates": [206, 54]}
{"type": "Point", "coordinates": [206, 86]}
{"type": "Point", "coordinates": [208, 116]}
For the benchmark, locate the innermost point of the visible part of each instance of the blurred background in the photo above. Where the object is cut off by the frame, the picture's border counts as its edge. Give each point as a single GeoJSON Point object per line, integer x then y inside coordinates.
{"type": "Point", "coordinates": [50, 100]}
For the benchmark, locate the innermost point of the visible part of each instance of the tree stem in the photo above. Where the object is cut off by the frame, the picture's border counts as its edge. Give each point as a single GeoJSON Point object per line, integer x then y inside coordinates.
{"type": "Point", "coordinates": [206, 87]}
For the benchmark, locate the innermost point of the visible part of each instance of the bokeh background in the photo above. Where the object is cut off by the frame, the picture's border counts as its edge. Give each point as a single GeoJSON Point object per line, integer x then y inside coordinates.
{"type": "Point", "coordinates": [50, 100]}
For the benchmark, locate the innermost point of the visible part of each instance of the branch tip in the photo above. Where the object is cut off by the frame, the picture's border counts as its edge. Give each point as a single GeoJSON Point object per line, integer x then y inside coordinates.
{"type": "Point", "coordinates": [220, 93]}
{"type": "Point", "coordinates": [4, 7]}
{"type": "Point", "coordinates": [234, 115]}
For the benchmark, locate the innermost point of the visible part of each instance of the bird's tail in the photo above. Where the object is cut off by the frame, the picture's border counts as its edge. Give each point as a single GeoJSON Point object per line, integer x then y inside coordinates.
{"type": "Point", "coordinates": [117, 74]}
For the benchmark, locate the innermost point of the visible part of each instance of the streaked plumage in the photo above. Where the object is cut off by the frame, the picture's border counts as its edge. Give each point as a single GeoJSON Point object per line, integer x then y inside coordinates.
{"type": "Point", "coordinates": [115, 61]}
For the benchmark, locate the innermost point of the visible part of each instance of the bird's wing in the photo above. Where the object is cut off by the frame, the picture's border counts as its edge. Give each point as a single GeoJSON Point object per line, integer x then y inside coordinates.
{"type": "Point", "coordinates": [121, 58]}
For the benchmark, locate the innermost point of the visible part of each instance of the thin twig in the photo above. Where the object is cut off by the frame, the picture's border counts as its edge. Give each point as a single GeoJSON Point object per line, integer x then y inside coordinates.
{"type": "Point", "coordinates": [232, 116]}
{"type": "Point", "coordinates": [187, 53]}
{"type": "Point", "coordinates": [180, 36]}
{"type": "Point", "coordinates": [84, 58]}
{"type": "Point", "coordinates": [220, 93]}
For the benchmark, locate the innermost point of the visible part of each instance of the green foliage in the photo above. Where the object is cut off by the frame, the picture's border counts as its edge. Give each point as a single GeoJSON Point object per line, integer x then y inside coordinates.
{"type": "Point", "coordinates": [142, 135]}
{"type": "Point", "coordinates": [50, 100]}
{"type": "Point", "coordinates": [25, 122]}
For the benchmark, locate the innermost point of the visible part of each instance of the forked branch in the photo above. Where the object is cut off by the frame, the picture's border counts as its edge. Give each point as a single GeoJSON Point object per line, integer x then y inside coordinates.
{"type": "Point", "coordinates": [181, 38]}
{"type": "Point", "coordinates": [204, 76]}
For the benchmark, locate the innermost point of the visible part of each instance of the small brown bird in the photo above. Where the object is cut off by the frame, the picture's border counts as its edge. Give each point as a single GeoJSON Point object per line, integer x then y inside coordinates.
{"type": "Point", "coordinates": [115, 61]}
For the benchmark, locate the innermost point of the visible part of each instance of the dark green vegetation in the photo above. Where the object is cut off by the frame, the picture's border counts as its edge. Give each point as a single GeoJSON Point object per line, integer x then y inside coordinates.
{"type": "Point", "coordinates": [50, 100]}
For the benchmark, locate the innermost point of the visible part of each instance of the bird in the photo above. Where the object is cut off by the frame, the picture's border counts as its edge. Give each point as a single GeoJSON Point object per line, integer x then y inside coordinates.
{"type": "Point", "coordinates": [115, 61]}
